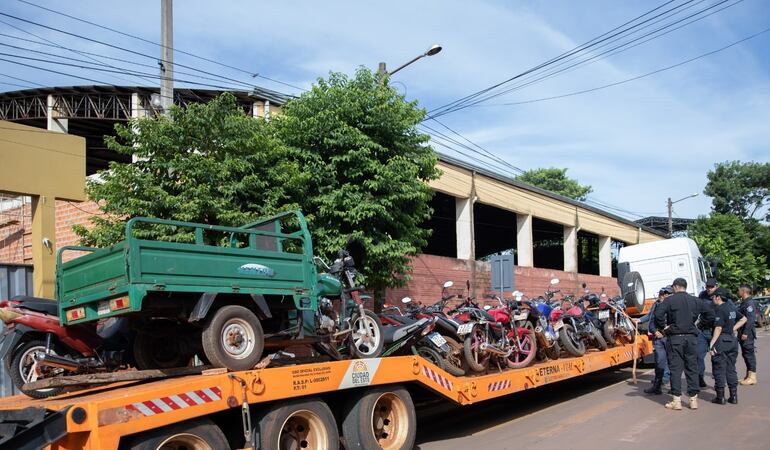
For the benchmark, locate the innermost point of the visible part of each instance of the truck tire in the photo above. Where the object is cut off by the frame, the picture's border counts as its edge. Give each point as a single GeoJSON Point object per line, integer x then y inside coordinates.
{"type": "Point", "coordinates": [570, 341]}
{"type": "Point", "coordinates": [360, 348]}
{"type": "Point", "coordinates": [233, 338]}
{"type": "Point", "coordinates": [20, 365]}
{"type": "Point", "coordinates": [381, 417]}
{"type": "Point", "coordinates": [296, 424]}
{"type": "Point", "coordinates": [158, 350]}
{"type": "Point", "coordinates": [196, 434]}
{"type": "Point", "coordinates": [632, 288]}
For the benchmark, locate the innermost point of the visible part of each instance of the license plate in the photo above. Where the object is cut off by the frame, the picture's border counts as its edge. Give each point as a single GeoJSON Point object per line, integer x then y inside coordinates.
{"type": "Point", "coordinates": [522, 316]}
{"type": "Point", "coordinates": [604, 314]}
{"type": "Point", "coordinates": [437, 339]}
{"type": "Point", "coordinates": [558, 325]}
{"type": "Point", "coordinates": [465, 328]}
{"type": "Point", "coordinates": [103, 308]}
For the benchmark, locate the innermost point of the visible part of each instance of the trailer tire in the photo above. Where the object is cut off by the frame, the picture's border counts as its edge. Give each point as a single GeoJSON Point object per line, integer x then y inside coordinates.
{"type": "Point", "coordinates": [382, 417]}
{"type": "Point", "coordinates": [307, 420]}
{"type": "Point", "coordinates": [233, 338]}
{"type": "Point", "coordinates": [196, 434]}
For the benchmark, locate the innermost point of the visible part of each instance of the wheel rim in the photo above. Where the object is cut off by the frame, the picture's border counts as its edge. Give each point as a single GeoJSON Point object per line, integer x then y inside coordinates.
{"type": "Point", "coordinates": [479, 357]}
{"type": "Point", "coordinates": [525, 349]}
{"type": "Point", "coordinates": [390, 421]}
{"type": "Point", "coordinates": [184, 441]}
{"type": "Point", "coordinates": [366, 335]}
{"type": "Point", "coordinates": [28, 366]}
{"type": "Point", "coordinates": [238, 338]}
{"type": "Point", "coordinates": [303, 429]}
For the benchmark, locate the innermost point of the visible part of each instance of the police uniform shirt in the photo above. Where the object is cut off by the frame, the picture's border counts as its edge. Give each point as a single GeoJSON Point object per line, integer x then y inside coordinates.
{"type": "Point", "coordinates": [726, 317]}
{"type": "Point", "coordinates": [747, 309]}
{"type": "Point", "coordinates": [678, 313]}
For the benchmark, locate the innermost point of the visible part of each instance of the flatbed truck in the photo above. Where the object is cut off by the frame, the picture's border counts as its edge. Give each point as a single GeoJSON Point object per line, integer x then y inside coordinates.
{"type": "Point", "coordinates": [352, 404]}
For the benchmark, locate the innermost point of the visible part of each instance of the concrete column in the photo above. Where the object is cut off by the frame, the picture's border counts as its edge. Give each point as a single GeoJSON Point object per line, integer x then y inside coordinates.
{"type": "Point", "coordinates": [525, 254]}
{"type": "Point", "coordinates": [267, 109]}
{"type": "Point", "coordinates": [257, 109]}
{"type": "Point", "coordinates": [463, 208]}
{"type": "Point", "coordinates": [570, 249]}
{"type": "Point", "coordinates": [137, 109]}
{"type": "Point", "coordinates": [55, 123]}
{"type": "Point", "coordinates": [44, 245]}
{"type": "Point", "coordinates": [605, 256]}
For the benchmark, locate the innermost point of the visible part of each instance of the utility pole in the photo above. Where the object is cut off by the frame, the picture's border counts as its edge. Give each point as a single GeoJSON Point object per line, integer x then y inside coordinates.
{"type": "Point", "coordinates": [670, 223]}
{"type": "Point", "coordinates": [166, 55]}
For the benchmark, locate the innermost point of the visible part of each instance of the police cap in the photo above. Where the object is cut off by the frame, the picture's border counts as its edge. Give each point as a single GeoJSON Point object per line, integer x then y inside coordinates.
{"type": "Point", "coordinates": [721, 292]}
{"type": "Point", "coordinates": [711, 282]}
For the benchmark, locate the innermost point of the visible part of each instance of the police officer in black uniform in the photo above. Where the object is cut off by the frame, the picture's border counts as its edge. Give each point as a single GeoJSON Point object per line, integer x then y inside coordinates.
{"type": "Point", "coordinates": [747, 334]}
{"type": "Point", "coordinates": [705, 324]}
{"type": "Point", "coordinates": [724, 347]}
{"type": "Point", "coordinates": [676, 318]}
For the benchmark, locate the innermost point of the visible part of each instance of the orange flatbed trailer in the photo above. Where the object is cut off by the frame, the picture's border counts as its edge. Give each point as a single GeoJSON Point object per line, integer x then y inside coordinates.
{"type": "Point", "coordinates": [108, 417]}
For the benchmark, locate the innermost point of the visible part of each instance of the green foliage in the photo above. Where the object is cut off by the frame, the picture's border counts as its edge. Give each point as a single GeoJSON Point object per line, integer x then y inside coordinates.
{"type": "Point", "coordinates": [725, 238]}
{"type": "Point", "coordinates": [557, 181]}
{"type": "Point", "coordinates": [740, 188]}
{"type": "Point", "coordinates": [209, 163]}
{"type": "Point", "coordinates": [369, 165]}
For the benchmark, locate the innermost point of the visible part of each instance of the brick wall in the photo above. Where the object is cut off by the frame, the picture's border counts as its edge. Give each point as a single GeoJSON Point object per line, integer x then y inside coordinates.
{"type": "Point", "coordinates": [15, 235]}
{"type": "Point", "coordinates": [430, 272]}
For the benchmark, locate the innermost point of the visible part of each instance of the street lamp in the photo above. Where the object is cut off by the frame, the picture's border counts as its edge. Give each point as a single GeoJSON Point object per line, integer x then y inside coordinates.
{"type": "Point", "coordinates": [382, 71]}
{"type": "Point", "coordinates": [670, 205]}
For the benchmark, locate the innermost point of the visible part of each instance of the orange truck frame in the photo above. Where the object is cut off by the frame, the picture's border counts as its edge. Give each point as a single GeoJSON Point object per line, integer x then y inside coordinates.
{"type": "Point", "coordinates": [361, 404]}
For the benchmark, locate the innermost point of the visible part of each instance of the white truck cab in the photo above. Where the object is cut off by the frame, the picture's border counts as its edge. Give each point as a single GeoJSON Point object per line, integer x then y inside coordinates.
{"type": "Point", "coordinates": [659, 262]}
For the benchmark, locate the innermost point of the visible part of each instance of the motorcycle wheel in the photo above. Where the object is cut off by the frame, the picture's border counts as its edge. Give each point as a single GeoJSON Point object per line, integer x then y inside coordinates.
{"type": "Point", "coordinates": [477, 360]}
{"type": "Point", "coordinates": [526, 354]}
{"type": "Point", "coordinates": [454, 361]}
{"type": "Point", "coordinates": [608, 331]}
{"type": "Point", "coordinates": [359, 345]}
{"type": "Point", "coordinates": [599, 341]}
{"type": "Point", "coordinates": [432, 356]}
{"type": "Point", "coordinates": [570, 341]}
{"type": "Point", "coordinates": [22, 369]}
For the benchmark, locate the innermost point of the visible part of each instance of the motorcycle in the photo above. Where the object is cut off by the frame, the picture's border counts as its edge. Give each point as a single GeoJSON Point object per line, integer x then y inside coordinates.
{"type": "Point", "coordinates": [492, 336]}
{"type": "Point", "coordinates": [35, 346]}
{"type": "Point", "coordinates": [355, 330]}
{"type": "Point", "coordinates": [539, 313]}
{"type": "Point", "coordinates": [575, 329]}
{"type": "Point", "coordinates": [616, 324]}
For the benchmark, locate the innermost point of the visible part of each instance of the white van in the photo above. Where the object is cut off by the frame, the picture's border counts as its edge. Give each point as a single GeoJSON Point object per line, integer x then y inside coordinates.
{"type": "Point", "coordinates": [658, 263]}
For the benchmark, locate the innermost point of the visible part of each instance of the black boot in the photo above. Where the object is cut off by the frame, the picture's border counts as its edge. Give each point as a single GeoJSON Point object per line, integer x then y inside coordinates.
{"type": "Point", "coordinates": [654, 389]}
{"type": "Point", "coordinates": [733, 396]}
{"type": "Point", "coordinates": [720, 398]}
{"type": "Point", "coordinates": [702, 382]}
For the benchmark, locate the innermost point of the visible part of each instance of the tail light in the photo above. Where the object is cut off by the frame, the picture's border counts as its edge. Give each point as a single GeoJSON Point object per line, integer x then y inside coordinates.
{"type": "Point", "coordinates": [76, 314]}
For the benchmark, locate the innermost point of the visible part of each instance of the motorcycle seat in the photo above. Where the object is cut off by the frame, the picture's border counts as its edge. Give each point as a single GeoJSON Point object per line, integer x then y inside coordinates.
{"type": "Point", "coordinates": [392, 334]}
{"type": "Point", "coordinates": [37, 304]}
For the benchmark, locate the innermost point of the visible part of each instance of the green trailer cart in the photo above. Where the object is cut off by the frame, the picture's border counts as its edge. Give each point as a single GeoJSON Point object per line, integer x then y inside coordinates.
{"type": "Point", "coordinates": [221, 296]}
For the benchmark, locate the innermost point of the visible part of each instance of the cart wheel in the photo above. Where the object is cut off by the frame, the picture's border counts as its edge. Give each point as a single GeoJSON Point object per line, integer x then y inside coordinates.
{"type": "Point", "coordinates": [23, 369]}
{"type": "Point", "coordinates": [381, 417]}
{"type": "Point", "coordinates": [298, 424]}
{"type": "Point", "coordinates": [233, 338]}
{"type": "Point", "coordinates": [198, 434]}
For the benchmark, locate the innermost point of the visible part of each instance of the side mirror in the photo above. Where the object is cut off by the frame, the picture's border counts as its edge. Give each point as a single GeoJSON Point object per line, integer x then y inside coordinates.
{"type": "Point", "coordinates": [406, 300]}
{"type": "Point", "coordinates": [448, 284]}
{"type": "Point", "coordinates": [554, 281]}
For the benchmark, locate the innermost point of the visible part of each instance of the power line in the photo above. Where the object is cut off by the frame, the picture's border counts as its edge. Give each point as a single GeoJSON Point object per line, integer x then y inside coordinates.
{"type": "Point", "coordinates": [575, 50]}
{"type": "Point", "coordinates": [628, 80]}
{"type": "Point", "coordinates": [491, 155]}
{"type": "Point", "coordinates": [21, 79]}
{"type": "Point", "coordinates": [117, 47]}
{"type": "Point", "coordinates": [122, 33]}
{"type": "Point", "coordinates": [605, 54]}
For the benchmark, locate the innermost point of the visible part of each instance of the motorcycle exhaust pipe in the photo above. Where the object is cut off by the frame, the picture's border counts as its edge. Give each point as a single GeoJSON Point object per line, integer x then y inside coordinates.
{"type": "Point", "coordinates": [494, 350]}
{"type": "Point", "coordinates": [57, 362]}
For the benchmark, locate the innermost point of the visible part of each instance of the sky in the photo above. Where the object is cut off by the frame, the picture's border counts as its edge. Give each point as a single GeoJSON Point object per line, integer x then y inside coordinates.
{"type": "Point", "coordinates": [636, 144]}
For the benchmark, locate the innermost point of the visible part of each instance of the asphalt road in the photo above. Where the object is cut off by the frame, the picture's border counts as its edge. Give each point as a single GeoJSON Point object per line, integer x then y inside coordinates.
{"type": "Point", "coordinates": [605, 411]}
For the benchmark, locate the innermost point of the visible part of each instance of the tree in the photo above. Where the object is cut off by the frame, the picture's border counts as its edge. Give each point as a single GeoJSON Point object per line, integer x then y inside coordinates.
{"type": "Point", "coordinates": [724, 237]}
{"type": "Point", "coordinates": [557, 181]}
{"type": "Point", "coordinates": [209, 163]}
{"type": "Point", "coordinates": [369, 171]}
{"type": "Point", "coordinates": [740, 188]}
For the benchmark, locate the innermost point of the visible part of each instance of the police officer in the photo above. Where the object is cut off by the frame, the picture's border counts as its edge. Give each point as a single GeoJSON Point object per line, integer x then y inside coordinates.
{"type": "Point", "coordinates": [724, 348]}
{"type": "Point", "coordinates": [662, 374]}
{"type": "Point", "coordinates": [747, 334]}
{"type": "Point", "coordinates": [676, 318]}
{"type": "Point", "coordinates": [705, 323]}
